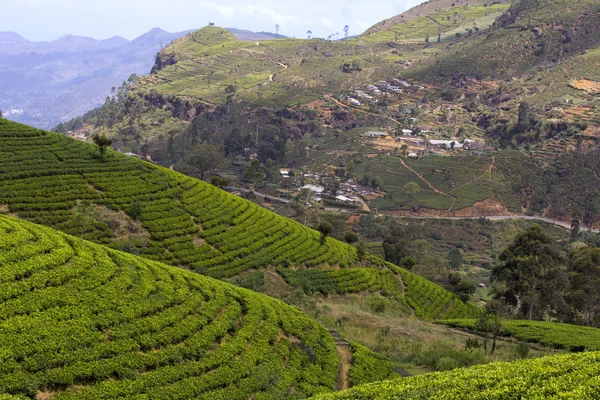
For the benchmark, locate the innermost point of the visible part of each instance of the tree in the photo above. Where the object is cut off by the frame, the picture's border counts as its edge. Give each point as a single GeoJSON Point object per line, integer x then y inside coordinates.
{"type": "Point", "coordinates": [1, 114]}
{"type": "Point", "coordinates": [584, 280]}
{"type": "Point", "coordinates": [309, 33]}
{"type": "Point", "coordinates": [524, 122]}
{"type": "Point", "coordinates": [346, 29]}
{"type": "Point", "coordinates": [102, 142]}
{"type": "Point", "coordinates": [408, 262]}
{"type": "Point", "coordinates": [83, 216]}
{"type": "Point", "coordinates": [219, 181]}
{"type": "Point", "coordinates": [325, 228]}
{"type": "Point", "coordinates": [204, 158]}
{"type": "Point", "coordinates": [591, 208]}
{"type": "Point", "coordinates": [465, 289]}
{"type": "Point", "coordinates": [486, 324]}
{"type": "Point", "coordinates": [410, 189]}
{"type": "Point", "coordinates": [575, 229]}
{"type": "Point", "coordinates": [533, 271]}
{"type": "Point", "coordinates": [277, 31]}
{"type": "Point", "coordinates": [350, 237]}
{"type": "Point", "coordinates": [396, 246]}
{"type": "Point", "coordinates": [455, 258]}
{"type": "Point", "coordinates": [361, 251]}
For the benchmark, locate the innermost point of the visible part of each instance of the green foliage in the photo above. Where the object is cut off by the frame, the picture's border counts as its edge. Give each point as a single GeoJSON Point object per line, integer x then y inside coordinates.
{"type": "Point", "coordinates": [190, 223]}
{"type": "Point", "coordinates": [340, 281]}
{"type": "Point", "coordinates": [368, 366]}
{"type": "Point", "coordinates": [522, 350]}
{"type": "Point", "coordinates": [102, 142]}
{"type": "Point", "coordinates": [533, 271]}
{"type": "Point", "coordinates": [563, 376]}
{"type": "Point", "coordinates": [81, 320]}
{"type": "Point", "coordinates": [551, 334]}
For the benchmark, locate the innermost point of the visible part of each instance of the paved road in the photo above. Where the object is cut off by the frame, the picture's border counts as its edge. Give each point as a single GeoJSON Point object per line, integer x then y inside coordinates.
{"type": "Point", "coordinates": [562, 224]}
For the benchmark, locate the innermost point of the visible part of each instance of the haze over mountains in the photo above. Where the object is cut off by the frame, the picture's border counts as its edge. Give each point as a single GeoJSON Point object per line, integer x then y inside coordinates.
{"type": "Point", "coordinates": [45, 83]}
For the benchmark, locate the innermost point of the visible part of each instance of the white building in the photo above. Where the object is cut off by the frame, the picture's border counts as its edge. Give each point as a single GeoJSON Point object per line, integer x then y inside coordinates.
{"type": "Point", "coordinates": [346, 200]}
{"type": "Point", "coordinates": [314, 188]}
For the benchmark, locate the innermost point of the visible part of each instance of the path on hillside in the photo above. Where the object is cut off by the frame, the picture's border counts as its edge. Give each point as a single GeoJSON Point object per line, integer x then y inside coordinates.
{"type": "Point", "coordinates": [236, 189]}
{"type": "Point", "coordinates": [339, 103]}
{"type": "Point", "coordinates": [423, 179]}
{"type": "Point", "coordinates": [342, 348]}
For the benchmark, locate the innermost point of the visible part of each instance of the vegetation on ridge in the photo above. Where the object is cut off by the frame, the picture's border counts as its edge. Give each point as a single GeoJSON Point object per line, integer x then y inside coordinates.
{"type": "Point", "coordinates": [556, 377]}
{"type": "Point", "coordinates": [80, 320]}
{"type": "Point", "coordinates": [163, 215]}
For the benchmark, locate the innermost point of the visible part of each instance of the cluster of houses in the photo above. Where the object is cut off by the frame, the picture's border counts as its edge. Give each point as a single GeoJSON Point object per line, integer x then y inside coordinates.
{"type": "Point", "coordinates": [379, 89]}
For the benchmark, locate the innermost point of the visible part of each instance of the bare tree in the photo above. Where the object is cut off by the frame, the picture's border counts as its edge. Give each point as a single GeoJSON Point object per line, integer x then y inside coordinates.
{"type": "Point", "coordinates": [309, 33]}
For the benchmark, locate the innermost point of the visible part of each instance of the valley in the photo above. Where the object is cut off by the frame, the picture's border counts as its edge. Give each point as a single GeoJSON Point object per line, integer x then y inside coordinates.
{"type": "Point", "coordinates": [413, 211]}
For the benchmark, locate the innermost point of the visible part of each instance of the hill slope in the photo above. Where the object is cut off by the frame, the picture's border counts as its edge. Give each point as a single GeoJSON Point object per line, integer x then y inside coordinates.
{"type": "Point", "coordinates": [163, 215]}
{"type": "Point", "coordinates": [555, 377]}
{"type": "Point", "coordinates": [78, 320]}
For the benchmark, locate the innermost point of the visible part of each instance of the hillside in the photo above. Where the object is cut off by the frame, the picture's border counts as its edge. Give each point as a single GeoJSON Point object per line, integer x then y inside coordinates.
{"type": "Point", "coordinates": [555, 377]}
{"type": "Point", "coordinates": [530, 35]}
{"type": "Point", "coordinates": [78, 320]}
{"type": "Point", "coordinates": [166, 216]}
{"type": "Point", "coordinates": [437, 18]}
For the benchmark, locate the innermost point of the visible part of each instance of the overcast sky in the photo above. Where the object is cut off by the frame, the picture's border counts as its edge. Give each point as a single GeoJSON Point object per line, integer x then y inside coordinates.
{"type": "Point", "coordinates": [50, 19]}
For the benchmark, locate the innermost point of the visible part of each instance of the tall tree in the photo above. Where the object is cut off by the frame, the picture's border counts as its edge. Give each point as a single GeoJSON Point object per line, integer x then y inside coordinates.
{"type": "Point", "coordinates": [277, 31]}
{"type": "Point", "coordinates": [524, 122]}
{"type": "Point", "coordinates": [584, 278]}
{"type": "Point", "coordinates": [396, 245]}
{"type": "Point", "coordinates": [102, 142]}
{"type": "Point", "coordinates": [309, 33]}
{"type": "Point", "coordinates": [346, 29]}
{"type": "Point", "coordinates": [591, 208]}
{"type": "Point", "coordinates": [533, 272]}
{"type": "Point", "coordinates": [204, 158]}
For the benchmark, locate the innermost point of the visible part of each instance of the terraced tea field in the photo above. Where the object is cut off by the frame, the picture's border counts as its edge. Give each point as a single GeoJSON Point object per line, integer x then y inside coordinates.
{"type": "Point", "coordinates": [555, 377]}
{"type": "Point", "coordinates": [550, 334]}
{"type": "Point", "coordinates": [78, 320]}
{"type": "Point", "coordinates": [47, 179]}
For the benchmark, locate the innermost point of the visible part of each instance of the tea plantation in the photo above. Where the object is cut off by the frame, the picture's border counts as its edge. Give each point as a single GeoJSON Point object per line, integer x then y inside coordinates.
{"type": "Point", "coordinates": [83, 321]}
{"type": "Point", "coordinates": [48, 179]}
{"type": "Point", "coordinates": [550, 334]}
{"type": "Point", "coordinates": [555, 377]}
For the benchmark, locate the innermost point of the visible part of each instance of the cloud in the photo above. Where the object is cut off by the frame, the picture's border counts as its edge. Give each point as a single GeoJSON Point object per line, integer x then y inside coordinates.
{"type": "Point", "coordinates": [327, 22]}
{"type": "Point", "coordinates": [225, 11]}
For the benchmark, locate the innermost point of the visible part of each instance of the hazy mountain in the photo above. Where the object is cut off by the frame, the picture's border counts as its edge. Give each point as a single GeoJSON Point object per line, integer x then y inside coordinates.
{"type": "Point", "coordinates": [45, 83]}
{"type": "Point", "coordinates": [254, 36]}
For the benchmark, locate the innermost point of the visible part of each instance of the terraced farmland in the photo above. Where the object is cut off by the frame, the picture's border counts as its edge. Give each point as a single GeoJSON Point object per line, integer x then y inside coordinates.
{"type": "Point", "coordinates": [43, 176]}
{"type": "Point", "coordinates": [47, 179]}
{"type": "Point", "coordinates": [555, 377]}
{"type": "Point", "coordinates": [550, 334]}
{"type": "Point", "coordinates": [82, 321]}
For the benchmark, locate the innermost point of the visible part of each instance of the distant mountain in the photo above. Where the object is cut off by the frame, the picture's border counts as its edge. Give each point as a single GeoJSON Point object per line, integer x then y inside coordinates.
{"type": "Point", "coordinates": [45, 83]}
{"type": "Point", "coordinates": [241, 34]}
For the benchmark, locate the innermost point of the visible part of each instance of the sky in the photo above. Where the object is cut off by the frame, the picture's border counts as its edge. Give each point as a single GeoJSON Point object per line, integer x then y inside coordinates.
{"type": "Point", "coordinates": [41, 20]}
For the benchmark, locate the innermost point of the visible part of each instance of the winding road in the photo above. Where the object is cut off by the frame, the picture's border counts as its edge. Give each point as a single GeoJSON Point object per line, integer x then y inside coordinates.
{"type": "Point", "coordinates": [561, 224]}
